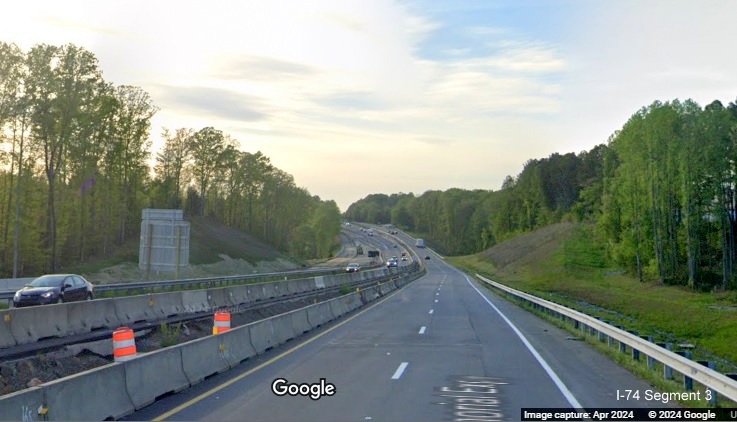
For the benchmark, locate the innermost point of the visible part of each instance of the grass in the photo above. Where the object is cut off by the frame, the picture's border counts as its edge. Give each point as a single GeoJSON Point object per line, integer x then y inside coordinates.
{"type": "Point", "coordinates": [170, 334]}
{"type": "Point", "coordinates": [574, 274]}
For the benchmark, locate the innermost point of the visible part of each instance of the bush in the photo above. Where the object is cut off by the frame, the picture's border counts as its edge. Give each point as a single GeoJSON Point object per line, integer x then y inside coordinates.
{"type": "Point", "coordinates": [170, 334]}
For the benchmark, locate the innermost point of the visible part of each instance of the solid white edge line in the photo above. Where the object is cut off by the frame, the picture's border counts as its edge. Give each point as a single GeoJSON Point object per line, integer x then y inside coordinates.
{"type": "Point", "coordinates": [422, 330]}
{"type": "Point", "coordinates": [561, 386]}
{"type": "Point", "coordinates": [398, 373]}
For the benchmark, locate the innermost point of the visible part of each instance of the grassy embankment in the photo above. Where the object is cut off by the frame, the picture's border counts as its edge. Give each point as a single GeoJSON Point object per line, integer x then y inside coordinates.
{"type": "Point", "coordinates": [560, 263]}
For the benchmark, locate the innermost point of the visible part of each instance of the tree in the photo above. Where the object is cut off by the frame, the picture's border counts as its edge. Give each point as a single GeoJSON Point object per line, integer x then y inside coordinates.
{"type": "Point", "coordinates": [206, 148]}
{"type": "Point", "coordinates": [60, 86]}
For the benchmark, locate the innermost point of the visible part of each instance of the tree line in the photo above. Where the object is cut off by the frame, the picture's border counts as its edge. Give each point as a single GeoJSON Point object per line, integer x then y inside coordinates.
{"type": "Point", "coordinates": [659, 198]}
{"type": "Point", "coordinates": [75, 170]}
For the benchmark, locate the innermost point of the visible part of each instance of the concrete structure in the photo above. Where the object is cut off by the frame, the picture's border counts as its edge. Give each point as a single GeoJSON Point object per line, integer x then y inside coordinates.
{"type": "Point", "coordinates": [164, 242]}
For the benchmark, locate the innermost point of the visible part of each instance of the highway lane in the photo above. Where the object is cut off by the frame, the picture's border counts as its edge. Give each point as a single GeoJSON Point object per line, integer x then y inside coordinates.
{"type": "Point", "coordinates": [440, 349]}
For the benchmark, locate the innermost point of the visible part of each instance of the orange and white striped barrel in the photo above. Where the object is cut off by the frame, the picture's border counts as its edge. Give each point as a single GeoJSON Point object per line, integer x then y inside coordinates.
{"type": "Point", "coordinates": [222, 322]}
{"type": "Point", "coordinates": [124, 344]}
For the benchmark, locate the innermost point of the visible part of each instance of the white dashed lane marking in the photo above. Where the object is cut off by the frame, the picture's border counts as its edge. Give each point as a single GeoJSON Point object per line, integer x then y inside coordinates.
{"type": "Point", "coordinates": [398, 373]}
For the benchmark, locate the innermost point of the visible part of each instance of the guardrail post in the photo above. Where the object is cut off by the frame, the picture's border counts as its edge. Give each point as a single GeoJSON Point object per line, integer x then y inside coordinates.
{"type": "Point", "coordinates": [635, 352]}
{"type": "Point", "coordinates": [650, 360]}
{"type": "Point", "coordinates": [609, 339]}
{"type": "Point", "coordinates": [667, 370]}
{"type": "Point", "coordinates": [687, 381]}
{"type": "Point", "coordinates": [713, 394]}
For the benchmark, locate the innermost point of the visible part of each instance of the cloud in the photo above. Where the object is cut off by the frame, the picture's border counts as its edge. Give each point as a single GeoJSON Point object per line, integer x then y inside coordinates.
{"type": "Point", "coordinates": [261, 68]}
{"type": "Point", "coordinates": [217, 103]}
{"type": "Point", "coordinates": [432, 140]}
{"type": "Point", "coordinates": [350, 101]}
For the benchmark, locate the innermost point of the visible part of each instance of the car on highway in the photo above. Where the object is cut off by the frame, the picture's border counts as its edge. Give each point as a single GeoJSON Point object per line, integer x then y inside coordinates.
{"type": "Point", "coordinates": [54, 288]}
{"type": "Point", "coordinates": [353, 268]}
{"type": "Point", "coordinates": [404, 258]}
{"type": "Point", "coordinates": [392, 263]}
{"type": "Point", "coordinates": [427, 256]}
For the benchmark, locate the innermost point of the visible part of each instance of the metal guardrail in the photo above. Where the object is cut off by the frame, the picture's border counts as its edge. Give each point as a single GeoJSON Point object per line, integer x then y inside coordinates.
{"type": "Point", "coordinates": [707, 377]}
{"type": "Point", "coordinates": [210, 281]}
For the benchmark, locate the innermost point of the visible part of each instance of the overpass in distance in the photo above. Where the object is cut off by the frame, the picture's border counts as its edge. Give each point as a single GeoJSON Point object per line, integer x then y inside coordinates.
{"type": "Point", "coordinates": [441, 348]}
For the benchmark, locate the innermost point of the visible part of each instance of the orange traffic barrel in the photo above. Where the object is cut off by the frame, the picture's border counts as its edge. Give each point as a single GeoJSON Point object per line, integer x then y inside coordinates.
{"type": "Point", "coordinates": [222, 322]}
{"type": "Point", "coordinates": [124, 344]}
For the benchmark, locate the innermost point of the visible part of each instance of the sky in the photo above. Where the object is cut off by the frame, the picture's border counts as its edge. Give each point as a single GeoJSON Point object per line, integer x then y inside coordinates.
{"type": "Point", "coordinates": [360, 97]}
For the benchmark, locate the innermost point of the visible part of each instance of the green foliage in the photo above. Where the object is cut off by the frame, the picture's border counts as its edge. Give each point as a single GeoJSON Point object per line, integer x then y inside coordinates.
{"type": "Point", "coordinates": [581, 250]}
{"type": "Point", "coordinates": [170, 334]}
{"type": "Point", "coordinates": [75, 172]}
{"type": "Point", "coordinates": [459, 221]}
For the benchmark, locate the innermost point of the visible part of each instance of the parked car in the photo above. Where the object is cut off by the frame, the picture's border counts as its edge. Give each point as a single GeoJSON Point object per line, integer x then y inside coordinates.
{"type": "Point", "coordinates": [353, 268]}
{"type": "Point", "coordinates": [54, 288]}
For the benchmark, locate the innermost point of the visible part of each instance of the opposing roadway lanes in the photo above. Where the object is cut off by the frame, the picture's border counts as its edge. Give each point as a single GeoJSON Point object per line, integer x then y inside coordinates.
{"type": "Point", "coordinates": [443, 348]}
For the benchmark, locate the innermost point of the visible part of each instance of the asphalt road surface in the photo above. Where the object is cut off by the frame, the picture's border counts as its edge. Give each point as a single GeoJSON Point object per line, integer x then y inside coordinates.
{"type": "Point", "coordinates": [442, 348]}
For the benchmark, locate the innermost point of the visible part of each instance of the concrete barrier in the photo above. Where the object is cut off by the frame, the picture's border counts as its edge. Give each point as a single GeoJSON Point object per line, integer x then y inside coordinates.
{"type": "Point", "coordinates": [337, 307]}
{"type": "Point", "coordinates": [97, 394]}
{"type": "Point", "coordinates": [167, 304]}
{"type": "Point", "coordinates": [254, 293]}
{"type": "Point", "coordinates": [133, 309]}
{"type": "Point", "coordinates": [30, 324]}
{"type": "Point", "coordinates": [90, 315]}
{"type": "Point", "coordinates": [131, 385]}
{"type": "Point", "coordinates": [219, 298]}
{"type": "Point", "coordinates": [6, 335]}
{"type": "Point", "coordinates": [301, 285]}
{"type": "Point", "coordinates": [237, 345]}
{"type": "Point", "coordinates": [330, 281]}
{"type": "Point", "coordinates": [369, 294]}
{"type": "Point", "coordinates": [195, 301]}
{"type": "Point", "coordinates": [153, 374]}
{"type": "Point", "coordinates": [22, 405]}
{"type": "Point", "coordinates": [203, 357]}
{"type": "Point", "coordinates": [262, 335]}
{"type": "Point", "coordinates": [319, 282]}
{"type": "Point", "coordinates": [270, 290]}
{"type": "Point", "coordinates": [353, 301]}
{"type": "Point", "coordinates": [318, 314]}
{"type": "Point", "coordinates": [240, 294]}
{"type": "Point", "coordinates": [284, 327]}
{"type": "Point", "coordinates": [385, 288]}
{"type": "Point", "coordinates": [300, 322]}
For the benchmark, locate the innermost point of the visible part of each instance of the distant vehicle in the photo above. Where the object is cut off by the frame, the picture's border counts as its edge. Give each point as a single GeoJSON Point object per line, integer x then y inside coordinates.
{"type": "Point", "coordinates": [54, 288]}
{"type": "Point", "coordinates": [427, 256]}
{"type": "Point", "coordinates": [420, 243]}
{"type": "Point", "coordinates": [359, 250]}
{"type": "Point", "coordinates": [392, 263]}
{"type": "Point", "coordinates": [404, 253]}
{"type": "Point", "coordinates": [353, 268]}
{"type": "Point", "coordinates": [392, 232]}
{"type": "Point", "coordinates": [404, 258]}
